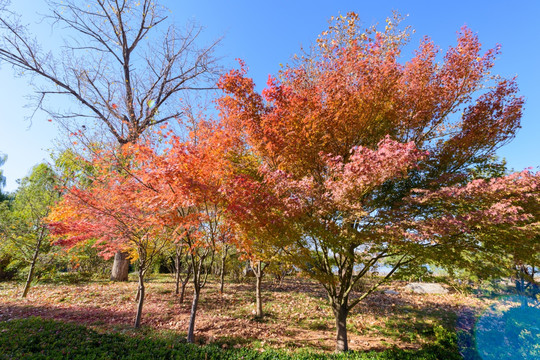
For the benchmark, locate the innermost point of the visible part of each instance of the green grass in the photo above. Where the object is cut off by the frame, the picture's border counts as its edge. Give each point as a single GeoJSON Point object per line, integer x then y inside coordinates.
{"type": "Point", "coordinates": [417, 325]}
{"type": "Point", "coordinates": [36, 338]}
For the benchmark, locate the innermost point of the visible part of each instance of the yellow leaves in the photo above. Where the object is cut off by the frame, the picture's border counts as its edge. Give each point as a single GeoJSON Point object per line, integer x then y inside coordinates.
{"type": "Point", "coordinates": [133, 254]}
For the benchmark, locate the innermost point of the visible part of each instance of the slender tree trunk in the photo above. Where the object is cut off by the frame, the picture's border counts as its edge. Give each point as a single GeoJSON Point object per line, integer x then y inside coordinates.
{"type": "Point", "coordinates": [140, 293]}
{"type": "Point", "coordinates": [182, 292]}
{"type": "Point", "coordinates": [184, 283]}
{"type": "Point", "coordinates": [222, 270]}
{"type": "Point", "coordinates": [177, 263]}
{"type": "Point", "coordinates": [258, 294]}
{"type": "Point", "coordinates": [120, 267]}
{"type": "Point", "coordinates": [222, 278]}
{"type": "Point", "coordinates": [32, 268]}
{"type": "Point", "coordinates": [177, 283]}
{"type": "Point", "coordinates": [199, 281]}
{"type": "Point", "coordinates": [341, 312]}
{"type": "Point", "coordinates": [191, 328]}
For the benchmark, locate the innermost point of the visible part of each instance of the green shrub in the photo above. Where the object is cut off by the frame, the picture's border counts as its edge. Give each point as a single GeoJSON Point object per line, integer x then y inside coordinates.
{"type": "Point", "coordinates": [8, 267]}
{"type": "Point", "coordinates": [35, 338]}
{"type": "Point", "coordinates": [67, 278]}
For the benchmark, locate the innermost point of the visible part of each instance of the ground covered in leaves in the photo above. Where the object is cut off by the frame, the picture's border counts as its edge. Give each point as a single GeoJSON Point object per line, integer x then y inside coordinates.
{"type": "Point", "coordinates": [298, 315]}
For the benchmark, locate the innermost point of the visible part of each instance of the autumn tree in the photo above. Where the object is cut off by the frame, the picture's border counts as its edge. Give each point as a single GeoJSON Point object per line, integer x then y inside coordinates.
{"type": "Point", "coordinates": [111, 210]}
{"type": "Point", "coordinates": [122, 69]}
{"type": "Point", "coordinates": [183, 181]}
{"type": "Point", "coordinates": [258, 216]}
{"type": "Point", "coordinates": [348, 131]}
{"type": "Point", "coordinates": [195, 177]}
{"type": "Point", "coordinates": [23, 224]}
{"type": "Point", "coordinates": [125, 74]}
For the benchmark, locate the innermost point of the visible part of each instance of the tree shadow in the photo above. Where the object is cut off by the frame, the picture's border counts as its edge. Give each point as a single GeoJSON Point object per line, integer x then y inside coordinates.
{"type": "Point", "coordinates": [91, 315]}
{"type": "Point", "coordinates": [305, 286]}
{"type": "Point", "coordinates": [413, 320]}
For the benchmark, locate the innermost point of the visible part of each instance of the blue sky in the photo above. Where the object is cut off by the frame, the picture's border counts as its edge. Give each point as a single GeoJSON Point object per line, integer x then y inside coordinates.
{"type": "Point", "coordinates": [267, 33]}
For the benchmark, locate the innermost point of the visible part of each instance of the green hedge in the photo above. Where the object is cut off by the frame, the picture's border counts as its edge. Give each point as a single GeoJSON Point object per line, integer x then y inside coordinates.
{"type": "Point", "coordinates": [36, 338]}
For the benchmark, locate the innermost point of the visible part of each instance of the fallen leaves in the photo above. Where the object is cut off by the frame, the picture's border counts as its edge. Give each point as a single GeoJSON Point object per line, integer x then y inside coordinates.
{"type": "Point", "coordinates": [298, 315]}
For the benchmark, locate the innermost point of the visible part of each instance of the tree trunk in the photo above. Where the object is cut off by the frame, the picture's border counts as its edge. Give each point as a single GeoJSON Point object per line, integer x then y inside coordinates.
{"type": "Point", "coordinates": [140, 293]}
{"type": "Point", "coordinates": [184, 283]}
{"type": "Point", "coordinates": [258, 298]}
{"type": "Point", "coordinates": [177, 263]}
{"type": "Point", "coordinates": [341, 312]}
{"type": "Point", "coordinates": [222, 278]}
{"type": "Point", "coordinates": [182, 292]}
{"type": "Point", "coordinates": [32, 268]}
{"type": "Point", "coordinates": [197, 261]}
{"type": "Point", "coordinates": [120, 267]}
{"type": "Point", "coordinates": [191, 328]}
{"type": "Point", "coordinates": [222, 270]}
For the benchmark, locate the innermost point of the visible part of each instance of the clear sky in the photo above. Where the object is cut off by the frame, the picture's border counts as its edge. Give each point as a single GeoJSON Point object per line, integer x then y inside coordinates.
{"type": "Point", "coordinates": [266, 33]}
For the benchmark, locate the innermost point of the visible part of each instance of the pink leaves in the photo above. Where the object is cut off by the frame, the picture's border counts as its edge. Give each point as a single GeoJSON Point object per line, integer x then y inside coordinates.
{"type": "Point", "coordinates": [508, 202]}
{"type": "Point", "coordinates": [366, 169]}
{"type": "Point", "coordinates": [344, 184]}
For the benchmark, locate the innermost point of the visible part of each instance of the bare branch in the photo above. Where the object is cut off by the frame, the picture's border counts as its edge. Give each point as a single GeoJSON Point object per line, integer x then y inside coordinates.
{"type": "Point", "coordinates": [110, 67]}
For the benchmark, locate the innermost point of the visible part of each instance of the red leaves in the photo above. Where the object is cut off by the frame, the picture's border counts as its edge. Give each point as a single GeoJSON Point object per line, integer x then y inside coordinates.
{"type": "Point", "coordinates": [353, 92]}
{"type": "Point", "coordinates": [329, 151]}
{"type": "Point", "coordinates": [366, 170]}
{"type": "Point", "coordinates": [505, 207]}
{"type": "Point", "coordinates": [108, 209]}
{"type": "Point", "coordinates": [141, 191]}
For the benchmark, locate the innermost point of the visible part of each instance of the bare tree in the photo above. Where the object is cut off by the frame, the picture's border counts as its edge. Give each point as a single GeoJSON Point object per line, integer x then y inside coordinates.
{"type": "Point", "coordinates": [121, 74]}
